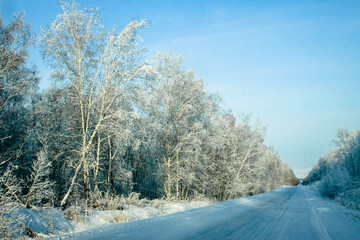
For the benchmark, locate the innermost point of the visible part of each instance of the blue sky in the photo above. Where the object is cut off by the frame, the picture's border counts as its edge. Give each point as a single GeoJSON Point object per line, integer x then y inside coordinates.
{"type": "Point", "coordinates": [295, 65]}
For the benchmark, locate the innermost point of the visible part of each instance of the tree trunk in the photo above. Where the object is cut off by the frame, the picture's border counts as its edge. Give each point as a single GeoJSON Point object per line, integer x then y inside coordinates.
{"type": "Point", "coordinates": [72, 183]}
{"type": "Point", "coordinates": [169, 179]}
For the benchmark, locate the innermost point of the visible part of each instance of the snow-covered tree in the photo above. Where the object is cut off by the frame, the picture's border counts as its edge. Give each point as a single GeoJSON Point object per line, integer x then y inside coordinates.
{"type": "Point", "coordinates": [112, 123]}
{"type": "Point", "coordinates": [239, 162]}
{"type": "Point", "coordinates": [337, 173]}
{"type": "Point", "coordinates": [17, 83]}
{"type": "Point", "coordinates": [175, 104]}
{"type": "Point", "coordinates": [56, 131]}
{"type": "Point", "coordinates": [16, 78]}
{"type": "Point", "coordinates": [10, 200]}
{"type": "Point", "coordinates": [41, 187]}
{"type": "Point", "coordinates": [98, 66]}
{"type": "Point", "coordinates": [233, 157]}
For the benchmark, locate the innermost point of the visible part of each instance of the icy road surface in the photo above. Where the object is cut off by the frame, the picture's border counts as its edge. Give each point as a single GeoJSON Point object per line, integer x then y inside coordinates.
{"type": "Point", "coordinates": [286, 213]}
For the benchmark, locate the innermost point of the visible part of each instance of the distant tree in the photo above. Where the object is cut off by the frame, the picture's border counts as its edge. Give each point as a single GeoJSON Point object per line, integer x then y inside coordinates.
{"type": "Point", "coordinates": [239, 163]}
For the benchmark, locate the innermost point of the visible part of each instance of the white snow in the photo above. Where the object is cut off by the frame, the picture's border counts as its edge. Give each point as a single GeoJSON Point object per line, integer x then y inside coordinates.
{"type": "Point", "coordinates": [286, 213]}
{"type": "Point", "coordinates": [51, 222]}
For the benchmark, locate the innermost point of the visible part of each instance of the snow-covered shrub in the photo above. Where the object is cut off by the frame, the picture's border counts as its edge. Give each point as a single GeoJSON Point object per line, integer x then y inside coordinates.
{"type": "Point", "coordinates": [8, 226]}
{"type": "Point", "coordinates": [121, 217]}
{"type": "Point", "coordinates": [112, 203]}
{"type": "Point", "coordinates": [134, 199]}
{"type": "Point", "coordinates": [332, 184]}
{"type": "Point", "coordinates": [349, 196]}
{"type": "Point", "coordinates": [158, 203]}
{"type": "Point", "coordinates": [200, 197]}
{"type": "Point", "coordinates": [337, 174]}
{"type": "Point", "coordinates": [107, 201]}
{"type": "Point", "coordinates": [73, 213]}
{"type": "Point", "coordinates": [10, 189]}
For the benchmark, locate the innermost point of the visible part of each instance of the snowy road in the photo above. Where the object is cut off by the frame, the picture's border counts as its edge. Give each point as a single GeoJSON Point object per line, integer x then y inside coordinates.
{"type": "Point", "coordinates": [286, 213]}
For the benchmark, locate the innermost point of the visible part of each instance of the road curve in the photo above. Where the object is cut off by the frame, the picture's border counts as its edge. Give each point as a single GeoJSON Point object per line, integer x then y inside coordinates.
{"type": "Point", "coordinates": [286, 213]}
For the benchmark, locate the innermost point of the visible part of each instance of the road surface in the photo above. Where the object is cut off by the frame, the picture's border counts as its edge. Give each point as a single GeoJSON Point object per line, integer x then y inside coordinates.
{"type": "Point", "coordinates": [286, 213]}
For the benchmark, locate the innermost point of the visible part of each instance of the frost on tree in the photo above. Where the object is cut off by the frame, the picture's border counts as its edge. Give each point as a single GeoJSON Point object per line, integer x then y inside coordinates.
{"type": "Point", "coordinates": [176, 104]}
{"type": "Point", "coordinates": [41, 187]}
{"type": "Point", "coordinates": [17, 83]}
{"type": "Point", "coordinates": [112, 124]}
{"type": "Point", "coordinates": [338, 172]}
{"type": "Point", "coordinates": [98, 66]}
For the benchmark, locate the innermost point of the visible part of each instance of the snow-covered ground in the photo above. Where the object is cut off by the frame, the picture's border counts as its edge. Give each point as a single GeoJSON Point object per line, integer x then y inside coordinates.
{"type": "Point", "coordinates": [50, 222]}
{"type": "Point", "coordinates": [286, 213]}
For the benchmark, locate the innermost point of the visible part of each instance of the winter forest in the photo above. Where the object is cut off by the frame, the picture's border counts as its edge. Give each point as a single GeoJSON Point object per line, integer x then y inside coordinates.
{"type": "Point", "coordinates": [113, 123]}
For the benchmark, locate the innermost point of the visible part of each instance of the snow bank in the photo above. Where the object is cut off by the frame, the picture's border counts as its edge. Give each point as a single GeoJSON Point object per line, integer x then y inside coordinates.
{"type": "Point", "coordinates": [51, 222]}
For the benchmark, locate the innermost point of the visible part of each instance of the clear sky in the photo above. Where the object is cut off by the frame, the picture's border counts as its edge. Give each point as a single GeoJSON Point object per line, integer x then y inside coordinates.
{"type": "Point", "coordinates": [295, 65]}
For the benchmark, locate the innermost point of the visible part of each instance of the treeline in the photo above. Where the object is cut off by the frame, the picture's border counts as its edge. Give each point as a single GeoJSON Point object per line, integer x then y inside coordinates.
{"type": "Point", "coordinates": [113, 123]}
{"type": "Point", "coordinates": [337, 174]}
